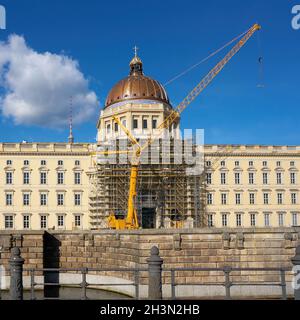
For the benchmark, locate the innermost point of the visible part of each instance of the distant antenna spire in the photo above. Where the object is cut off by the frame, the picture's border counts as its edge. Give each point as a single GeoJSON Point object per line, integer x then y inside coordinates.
{"type": "Point", "coordinates": [71, 137]}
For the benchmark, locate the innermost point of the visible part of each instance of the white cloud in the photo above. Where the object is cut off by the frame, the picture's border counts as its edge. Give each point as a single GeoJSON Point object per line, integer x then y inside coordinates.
{"type": "Point", "coordinates": [37, 86]}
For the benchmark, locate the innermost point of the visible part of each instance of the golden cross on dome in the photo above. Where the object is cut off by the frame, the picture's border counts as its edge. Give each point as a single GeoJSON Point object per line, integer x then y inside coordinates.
{"type": "Point", "coordinates": [135, 50]}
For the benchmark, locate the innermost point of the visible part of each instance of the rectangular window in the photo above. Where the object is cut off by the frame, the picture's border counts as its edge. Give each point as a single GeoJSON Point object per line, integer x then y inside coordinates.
{"type": "Point", "coordinates": [251, 198]}
{"type": "Point", "coordinates": [60, 162]}
{"type": "Point", "coordinates": [26, 177]}
{"type": "Point", "coordinates": [265, 178]}
{"type": "Point", "coordinates": [238, 220]}
{"type": "Point", "coordinates": [210, 220]}
{"type": "Point", "coordinates": [266, 198]}
{"type": "Point", "coordinates": [224, 198]}
{"type": "Point", "coordinates": [60, 221]}
{"type": "Point", "coordinates": [267, 219]}
{"type": "Point", "coordinates": [77, 178]}
{"type": "Point", "coordinates": [278, 163]}
{"type": "Point", "coordinates": [43, 199]}
{"type": "Point", "coordinates": [26, 199]}
{"type": "Point", "coordinates": [237, 163]}
{"type": "Point", "coordinates": [208, 163]}
{"type": "Point", "coordinates": [223, 178]}
{"type": "Point", "coordinates": [292, 163]}
{"type": "Point", "coordinates": [9, 222]}
{"type": "Point", "coordinates": [43, 162]}
{"type": "Point", "coordinates": [279, 177]}
{"type": "Point", "coordinates": [43, 222]}
{"type": "Point", "coordinates": [123, 121]}
{"type": "Point", "coordinates": [60, 178]}
{"type": "Point", "coordinates": [77, 221]}
{"type": "Point", "coordinates": [8, 162]}
{"type": "Point", "coordinates": [60, 199]}
{"type": "Point", "coordinates": [26, 162]}
{"type": "Point", "coordinates": [108, 129]}
{"type": "Point", "coordinates": [116, 127]}
{"type": "Point", "coordinates": [237, 178]}
{"type": "Point", "coordinates": [209, 198]}
{"type": "Point", "coordinates": [250, 163]}
{"type": "Point", "coordinates": [293, 177]}
{"type": "Point", "coordinates": [9, 177]}
{"type": "Point", "coordinates": [208, 178]}
{"type": "Point", "coordinates": [265, 163]}
{"type": "Point", "coordinates": [251, 178]}
{"type": "Point", "coordinates": [293, 198]}
{"type": "Point", "coordinates": [295, 219]}
{"type": "Point", "coordinates": [223, 163]}
{"type": "Point", "coordinates": [154, 123]}
{"type": "Point", "coordinates": [134, 123]}
{"type": "Point", "coordinates": [253, 219]}
{"type": "Point", "coordinates": [279, 198]}
{"type": "Point", "coordinates": [43, 177]}
{"type": "Point", "coordinates": [26, 222]}
{"type": "Point", "coordinates": [280, 219]}
{"type": "Point", "coordinates": [9, 199]}
{"type": "Point", "coordinates": [224, 220]}
{"type": "Point", "coordinates": [77, 199]}
{"type": "Point", "coordinates": [237, 198]}
{"type": "Point", "coordinates": [145, 123]}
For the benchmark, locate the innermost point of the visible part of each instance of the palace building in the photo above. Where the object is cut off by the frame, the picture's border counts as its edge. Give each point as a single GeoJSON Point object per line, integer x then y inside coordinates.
{"type": "Point", "coordinates": [73, 186]}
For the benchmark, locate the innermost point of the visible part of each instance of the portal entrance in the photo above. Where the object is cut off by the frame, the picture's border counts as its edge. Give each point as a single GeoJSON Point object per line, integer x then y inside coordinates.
{"type": "Point", "coordinates": [148, 218]}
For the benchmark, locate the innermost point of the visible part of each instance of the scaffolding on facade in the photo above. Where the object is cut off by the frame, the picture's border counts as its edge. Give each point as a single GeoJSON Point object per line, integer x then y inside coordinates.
{"type": "Point", "coordinates": [168, 194]}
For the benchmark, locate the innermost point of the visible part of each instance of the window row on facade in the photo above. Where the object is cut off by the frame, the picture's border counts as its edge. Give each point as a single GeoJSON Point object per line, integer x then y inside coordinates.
{"type": "Point", "coordinates": [44, 196]}
{"type": "Point", "coordinates": [42, 162]}
{"type": "Point", "coordinates": [250, 163]}
{"type": "Point", "coordinates": [240, 219]}
{"type": "Point", "coordinates": [60, 178]}
{"type": "Point", "coordinates": [252, 198]}
{"type": "Point", "coordinates": [146, 123]}
{"type": "Point", "coordinates": [252, 178]}
{"type": "Point", "coordinates": [10, 220]}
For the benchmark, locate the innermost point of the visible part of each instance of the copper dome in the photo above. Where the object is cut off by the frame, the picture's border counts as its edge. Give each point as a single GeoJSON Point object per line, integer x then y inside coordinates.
{"type": "Point", "coordinates": [136, 86]}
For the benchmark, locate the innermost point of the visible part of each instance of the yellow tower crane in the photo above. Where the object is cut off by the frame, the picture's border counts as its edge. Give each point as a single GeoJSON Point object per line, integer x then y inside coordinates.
{"type": "Point", "coordinates": [131, 221]}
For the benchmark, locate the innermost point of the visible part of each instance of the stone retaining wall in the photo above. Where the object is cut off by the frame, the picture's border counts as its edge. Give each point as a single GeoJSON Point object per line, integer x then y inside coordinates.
{"type": "Point", "coordinates": [245, 248]}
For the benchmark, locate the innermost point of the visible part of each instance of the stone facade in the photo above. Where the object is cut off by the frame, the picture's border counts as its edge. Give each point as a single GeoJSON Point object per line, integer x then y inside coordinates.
{"type": "Point", "coordinates": [44, 186]}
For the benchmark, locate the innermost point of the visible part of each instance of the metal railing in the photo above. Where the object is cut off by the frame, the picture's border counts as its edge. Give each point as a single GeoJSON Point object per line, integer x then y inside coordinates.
{"type": "Point", "coordinates": [228, 279]}
{"type": "Point", "coordinates": [154, 270]}
{"type": "Point", "coordinates": [83, 285]}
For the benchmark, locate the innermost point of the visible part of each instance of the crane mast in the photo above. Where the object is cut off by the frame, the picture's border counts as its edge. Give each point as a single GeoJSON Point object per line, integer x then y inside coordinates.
{"type": "Point", "coordinates": [131, 221]}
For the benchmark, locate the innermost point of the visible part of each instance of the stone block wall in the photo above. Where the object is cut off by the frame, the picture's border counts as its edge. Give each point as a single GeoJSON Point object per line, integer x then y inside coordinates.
{"type": "Point", "coordinates": [207, 248]}
{"type": "Point", "coordinates": [30, 244]}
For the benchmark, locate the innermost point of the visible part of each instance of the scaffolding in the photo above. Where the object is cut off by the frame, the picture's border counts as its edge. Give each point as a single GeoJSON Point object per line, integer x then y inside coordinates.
{"type": "Point", "coordinates": [168, 195]}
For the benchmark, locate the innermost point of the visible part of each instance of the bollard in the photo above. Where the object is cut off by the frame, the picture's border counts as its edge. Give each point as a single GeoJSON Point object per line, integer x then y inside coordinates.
{"type": "Point", "coordinates": [155, 271]}
{"type": "Point", "coordinates": [16, 274]}
{"type": "Point", "coordinates": [296, 280]}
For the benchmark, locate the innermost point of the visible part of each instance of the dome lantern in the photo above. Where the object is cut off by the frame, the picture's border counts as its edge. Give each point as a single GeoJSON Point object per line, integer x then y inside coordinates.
{"type": "Point", "coordinates": [136, 86]}
{"type": "Point", "coordinates": [136, 65]}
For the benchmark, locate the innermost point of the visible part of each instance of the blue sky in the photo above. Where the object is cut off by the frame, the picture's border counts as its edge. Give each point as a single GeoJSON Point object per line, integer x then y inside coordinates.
{"type": "Point", "coordinates": [172, 35]}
